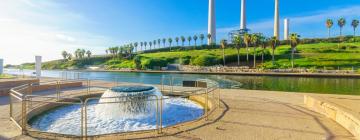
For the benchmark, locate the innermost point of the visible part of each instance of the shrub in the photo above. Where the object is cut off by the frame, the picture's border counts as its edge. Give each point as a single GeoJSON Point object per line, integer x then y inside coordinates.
{"type": "Point", "coordinates": [185, 60]}
{"type": "Point", "coordinates": [151, 63]}
{"type": "Point", "coordinates": [137, 61]}
{"type": "Point", "coordinates": [205, 60]}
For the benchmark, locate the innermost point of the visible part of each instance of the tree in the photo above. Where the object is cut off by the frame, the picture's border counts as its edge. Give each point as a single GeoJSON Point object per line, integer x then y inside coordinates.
{"type": "Point", "coordinates": [141, 45]}
{"type": "Point", "coordinates": [69, 56]}
{"type": "Point", "coordinates": [209, 36]}
{"type": "Point", "coordinates": [195, 39]}
{"type": "Point", "coordinates": [294, 41]}
{"type": "Point", "coordinates": [150, 44]}
{"type": "Point", "coordinates": [159, 41]}
{"type": "Point", "coordinates": [136, 45]}
{"type": "Point", "coordinates": [182, 38]}
{"type": "Point", "coordinates": [238, 41]}
{"type": "Point", "coordinates": [202, 37]}
{"type": "Point", "coordinates": [145, 44]}
{"type": "Point", "coordinates": [341, 24]}
{"type": "Point", "coordinates": [170, 41]}
{"type": "Point", "coordinates": [88, 53]}
{"type": "Point", "coordinates": [107, 52]}
{"type": "Point", "coordinates": [355, 24]}
{"type": "Point", "coordinates": [64, 54]}
{"type": "Point", "coordinates": [189, 40]}
{"type": "Point", "coordinates": [274, 42]}
{"type": "Point", "coordinates": [329, 24]}
{"type": "Point", "coordinates": [223, 43]}
{"type": "Point", "coordinates": [177, 41]}
{"type": "Point", "coordinates": [255, 40]}
{"type": "Point", "coordinates": [247, 41]}
{"type": "Point", "coordinates": [164, 41]}
{"type": "Point", "coordinates": [154, 42]}
{"type": "Point", "coordinates": [263, 43]}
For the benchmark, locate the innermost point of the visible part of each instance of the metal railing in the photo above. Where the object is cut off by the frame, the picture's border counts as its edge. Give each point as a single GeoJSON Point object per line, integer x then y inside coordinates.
{"type": "Point", "coordinates": [23, 102]}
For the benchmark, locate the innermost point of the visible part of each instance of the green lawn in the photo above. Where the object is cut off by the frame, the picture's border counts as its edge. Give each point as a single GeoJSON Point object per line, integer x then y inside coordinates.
{"type": "Point", "coordinates": [319, 55]}
{"type": "Point", "coordinates": [6, 76]}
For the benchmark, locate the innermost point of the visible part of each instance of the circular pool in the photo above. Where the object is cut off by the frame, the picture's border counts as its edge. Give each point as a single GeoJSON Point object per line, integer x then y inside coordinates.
{"type": "Point", "coordinates": [120, 109]}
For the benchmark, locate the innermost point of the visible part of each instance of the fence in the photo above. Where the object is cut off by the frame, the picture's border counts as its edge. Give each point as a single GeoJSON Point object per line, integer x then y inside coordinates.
{"type": "Point", "coordinates": [24, 105]}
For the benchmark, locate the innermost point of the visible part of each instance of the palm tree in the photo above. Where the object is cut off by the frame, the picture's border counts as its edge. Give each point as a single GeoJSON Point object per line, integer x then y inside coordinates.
{"type": "Point", "coordinates": [238, 41]}
{"type": "Point", "coordinates": [145, 44]}
{"type": "Point", "coordinates": [355, 24]}
{"type": "Point", "coordinates": [263, 43]}
{"type": "Point", "coordinates": [136, 45]}
{"type": "Point", "coordinates": [274, 42]}
{"type": "Point", "coordinates": [223, 46]}
{"type": "Point", "coordinates": [177, 41]}
{"type": "Point", "coordinates": [189, 39]}
{"type": "Point", "coordinates": [255, 40]}
{"type": "Point", "coordinates": [64, 54]}
{"type": "Point", "coordinates": [294, 41]}
{"type": "Point", "coordinates": [170, 41]}
{"type": "Point", "coordinates": [158, 42]}
{"type": "Point", "coordinates": [329, 24]}
{"type": "Point", "coordinates": [208, 36]}
{"type": "Point", "coordinates": [164, 41]}
{"type": "Point", "coordinates": [247, 41]}
{"type": "Point", "coordinates": [154, 42]}
{"type": "Point", "coordinates": [141, 45]}
{"type": "Point", "coordinates": [341, 23]}
{"type": "Point", "coordinates": [88, 53]}
{"type": "Point", "coordinates": [150, 44]}
{"type": "Point", "coordinates": [202, 37]}
{"type": "Point", "coordinates": [182, 38]}
{"type": "Point", "coordinates": [195, 39]}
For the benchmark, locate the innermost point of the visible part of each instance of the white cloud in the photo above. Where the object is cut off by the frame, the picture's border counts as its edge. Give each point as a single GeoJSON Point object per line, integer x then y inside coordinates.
{"type": "Point", "coordinates": [30, 28]}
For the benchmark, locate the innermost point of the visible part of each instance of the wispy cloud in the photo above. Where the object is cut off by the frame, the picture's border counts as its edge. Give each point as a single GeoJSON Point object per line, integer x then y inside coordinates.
{"type": "Point", "coordinates": [309, 25]}
{"type": "Point", "coordinates": [30, 28]}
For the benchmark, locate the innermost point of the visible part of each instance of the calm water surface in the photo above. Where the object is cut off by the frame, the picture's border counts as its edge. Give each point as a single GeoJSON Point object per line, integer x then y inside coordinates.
{"type": "Point", "coordinates": [350, 86]}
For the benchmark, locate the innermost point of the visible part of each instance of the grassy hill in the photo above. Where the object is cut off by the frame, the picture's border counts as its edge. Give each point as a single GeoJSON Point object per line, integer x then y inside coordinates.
{"type": "Point", "coordinates": [316, 55]}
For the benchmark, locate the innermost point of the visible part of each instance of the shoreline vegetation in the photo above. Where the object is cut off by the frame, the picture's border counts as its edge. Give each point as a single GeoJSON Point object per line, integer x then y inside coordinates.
{"type": "Point", "coordinates": [311, 56]}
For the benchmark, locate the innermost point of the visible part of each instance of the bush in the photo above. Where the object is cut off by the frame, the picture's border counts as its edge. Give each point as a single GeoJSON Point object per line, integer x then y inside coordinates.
{"type": "Point", "coordinates": [205, 60]}
{"type": "Point", "coordinates": [151, 63]}
{"type": "Point", "coordinates": [185, 60]}
{"type": "Point", "coordinates": [137, 61]}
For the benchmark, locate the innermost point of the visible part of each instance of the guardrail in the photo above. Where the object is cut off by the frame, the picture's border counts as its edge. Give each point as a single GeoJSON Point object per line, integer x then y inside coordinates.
{"type": "Point", "coordinates": [23, 101]}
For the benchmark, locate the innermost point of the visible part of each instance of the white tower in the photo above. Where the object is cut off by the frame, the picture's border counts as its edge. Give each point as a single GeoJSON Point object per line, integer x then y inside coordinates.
{"type": "Point", "coordinates": [276, 20]}
{"type": "Point", "coordinates": [212, 22]}
{"type": "Point", "coordinates": [38, 66]}
{"type": "Point", "coordinates": [286, 29]}
{"type": "Point", "coordinates": [243, 15]}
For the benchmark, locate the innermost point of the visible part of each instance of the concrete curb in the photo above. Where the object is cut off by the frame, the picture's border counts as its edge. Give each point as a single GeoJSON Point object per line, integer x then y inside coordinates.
{"type": "Point", "coordinates": [342, 116]}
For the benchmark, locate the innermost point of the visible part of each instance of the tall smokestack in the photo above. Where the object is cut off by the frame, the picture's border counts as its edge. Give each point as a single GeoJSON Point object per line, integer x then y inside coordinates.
{"type": "Point", "coordinates": [243, 15]}
{"type": "Point", "coordinates": [286, 29]}
{"type": "Point", "coordinates": [276, 20]}
{"type": "Point", "coordinates": [212, 22]}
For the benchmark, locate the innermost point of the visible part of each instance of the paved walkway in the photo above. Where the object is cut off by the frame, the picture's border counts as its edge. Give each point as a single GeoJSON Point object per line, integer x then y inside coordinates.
{"type": "Point", "coordinates": [247, 114]}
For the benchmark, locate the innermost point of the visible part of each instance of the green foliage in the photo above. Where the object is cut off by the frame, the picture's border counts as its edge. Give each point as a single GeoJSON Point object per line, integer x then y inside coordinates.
{"type": "Point", "coordinates": [6, 76]}
{"type": "Point", "coordinates": [137, 61]}
{"type": "Point", "coordinates": [205, 60]}
{"type": "Point", "coordinates": [152, 63]}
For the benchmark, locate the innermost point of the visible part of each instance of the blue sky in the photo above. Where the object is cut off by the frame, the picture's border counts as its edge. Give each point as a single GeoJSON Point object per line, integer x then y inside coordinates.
{"type": "Point", "coordinates": [46, 27]}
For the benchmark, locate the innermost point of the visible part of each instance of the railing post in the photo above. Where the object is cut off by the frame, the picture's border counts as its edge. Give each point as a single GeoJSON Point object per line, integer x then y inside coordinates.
{"type": "Point", "coordinates": [11, 105]}
{"type": "Point", "coordinates": [58, 90]}
{"type": "Point", "coordinates": [85, 120]}
{"type": "Point", "coordinates": [206, 104]}
{"type": "Point", "coordinates": [23, 115]}
{"type": "Point", "coordinates": [88, 86]}
{"type": "Point", "coordinates": [157, 115]}
{"type": "Point", "coordinates": [82, 119]}
{"type": "Point", "coordinates": [30, 93]}
{"type": "Point", "coordinates": [161, 112]}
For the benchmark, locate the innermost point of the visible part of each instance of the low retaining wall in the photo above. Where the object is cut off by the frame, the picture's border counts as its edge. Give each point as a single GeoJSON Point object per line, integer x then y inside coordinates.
{"type": "Point", "coordinates": [342, 116]}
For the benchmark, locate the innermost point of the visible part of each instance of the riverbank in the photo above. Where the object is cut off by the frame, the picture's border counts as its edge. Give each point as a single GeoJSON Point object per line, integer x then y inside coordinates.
{"type": "Point", "coordinates": [334, 75]}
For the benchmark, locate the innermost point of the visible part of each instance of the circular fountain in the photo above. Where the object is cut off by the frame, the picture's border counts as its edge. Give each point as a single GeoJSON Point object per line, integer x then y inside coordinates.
{"type": "Point", "coordinates": [119, 109]}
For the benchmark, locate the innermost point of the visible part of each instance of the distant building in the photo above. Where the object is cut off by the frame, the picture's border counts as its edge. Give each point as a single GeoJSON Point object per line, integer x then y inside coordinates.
{"type": "Point", "coordinates": [212, 22]}
{"type": "Point", "coordinates": [276, 20]}
{"type": "Point", "coordinates": [38, 66]}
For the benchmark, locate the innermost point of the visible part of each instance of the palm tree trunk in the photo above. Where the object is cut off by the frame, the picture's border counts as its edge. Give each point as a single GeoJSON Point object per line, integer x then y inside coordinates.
{"type": "Point", "coordinates": [254, 57]}
{"type": "Point", "coordinates": [224, 56]}
{"type": "Point", "coordinates": [262, 56]}
{"type": "Point", "coordinates": [292, 58]}
{"type": "Point", "coordinates": [247, 54]}
{"type": "Point", "coordinates": [238, 56]}
{"type": "Point", "coordinates": [273, 56]}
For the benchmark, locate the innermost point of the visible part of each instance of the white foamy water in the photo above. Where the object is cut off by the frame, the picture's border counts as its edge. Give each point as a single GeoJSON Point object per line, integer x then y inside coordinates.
{"type": "Point", "coordinates": [67, 119]}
